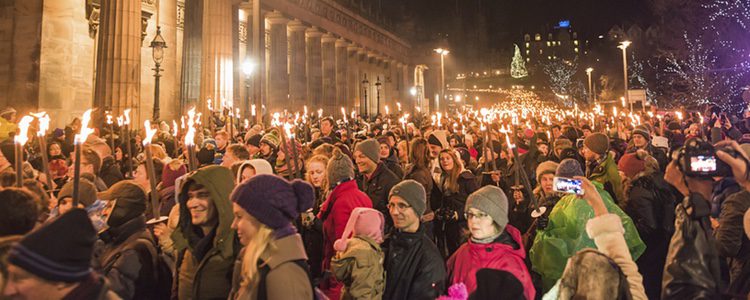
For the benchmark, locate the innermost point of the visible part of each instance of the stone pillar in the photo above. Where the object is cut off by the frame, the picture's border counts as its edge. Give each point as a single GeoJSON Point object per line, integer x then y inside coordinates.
{"type": "Point", "coordinates": [217, 67]}
{"type": "Point", "coordinates": [118, 59]}
{"type": "Point", "coordinates": [342, 65]}
{"type": "Point", "coordinates": [328, 55]}
{"type": "Point", "coordinates": [297, 67]}
{"type": "Point", "coordinates": [365, 95]}
{"type": "Point", "coordinates": [314, 69]}
{"type": "Point", "coordinates": [278, 76]}
{"type": "Point", "coordinates": [169, 92]}
{"type": "Point", "coordinates": [354, 83]}
{"type": "Point", "coordinates": [192, 44]}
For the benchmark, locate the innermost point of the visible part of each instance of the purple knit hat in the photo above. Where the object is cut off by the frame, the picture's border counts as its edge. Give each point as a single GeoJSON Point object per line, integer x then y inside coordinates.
{"type": "Point", "coordinates": [273, 200]}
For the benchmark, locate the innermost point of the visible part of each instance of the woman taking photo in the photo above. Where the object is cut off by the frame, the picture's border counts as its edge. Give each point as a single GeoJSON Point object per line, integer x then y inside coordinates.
{"type": "Point", "coordinates": [273, 263]}
{"type": "Point", "coordinates": [448, 198]}
{"type": "Point", "coordinates": [494, 244]}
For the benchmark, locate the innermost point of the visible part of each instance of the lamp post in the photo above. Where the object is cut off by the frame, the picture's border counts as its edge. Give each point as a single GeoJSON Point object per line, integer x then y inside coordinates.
{"type": "Point", "coordinates": [157, 46]}
{"type": "Point", "coordinates": [624, 46]}
{"type": "Point", "coordinates": [443, 53]}
{"type": "Point", "coordinates": [378, 86]}
{"type": "Point", "coordinates": [365, 86]}
{"type": "Point", "coordinates": [591, 95]}
{"type": "Point", "coordinates": [247, 68]}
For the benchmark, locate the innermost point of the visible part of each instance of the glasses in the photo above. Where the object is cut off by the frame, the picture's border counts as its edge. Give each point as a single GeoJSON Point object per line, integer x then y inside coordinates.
{"type": "Point", "coordinates": [479, 215]}
{"type": "Point", "coordinates": [399, 206]}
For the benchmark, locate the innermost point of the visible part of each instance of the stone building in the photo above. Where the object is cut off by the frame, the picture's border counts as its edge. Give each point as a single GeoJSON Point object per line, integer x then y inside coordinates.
{"type": "Point", "coordinates": [65, 56]}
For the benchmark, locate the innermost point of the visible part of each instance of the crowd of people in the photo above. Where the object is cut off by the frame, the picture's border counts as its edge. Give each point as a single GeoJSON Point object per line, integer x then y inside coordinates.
{"type": "Point", "coordinates": [383, 208]}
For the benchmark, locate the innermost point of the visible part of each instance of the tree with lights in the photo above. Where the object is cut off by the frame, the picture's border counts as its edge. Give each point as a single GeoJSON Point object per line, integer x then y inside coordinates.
{"type": "Point", "coordinates": [518, 66]}
{"type": "Point", "coordinates": [560, 74]}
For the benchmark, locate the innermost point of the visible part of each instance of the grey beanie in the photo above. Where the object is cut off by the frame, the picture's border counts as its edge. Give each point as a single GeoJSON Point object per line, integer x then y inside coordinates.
{"type": "Point", "coordinates": [370, 148]}
{"type": "Point", "coordinates": [492, 201]}
{"type": "Point", "coordinates": [569, 168]}
{"type": "Point", "coordinates": [413, 193]}
{"type": "Point", "coordinates": [339, 167]}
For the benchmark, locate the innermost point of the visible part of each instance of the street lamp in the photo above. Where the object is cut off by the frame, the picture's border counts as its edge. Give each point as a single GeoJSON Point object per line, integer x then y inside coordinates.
{"type": "Point", "coordinates": [413, 91]}
{"type": "Point", "coordinates": [443, 53]}
{"type": "Point", "coordinates": [624, 46]}
{"type": "Point", "coordinates": [365, 86]}
{"type": "Point", "coordinates": [248, 67]}
{"type": "Point", "coordinates": [591, 95]}
{"type": "Point", "coordinates": [378, 86]}
{"type": "Point", "coordinates": [157, 46]}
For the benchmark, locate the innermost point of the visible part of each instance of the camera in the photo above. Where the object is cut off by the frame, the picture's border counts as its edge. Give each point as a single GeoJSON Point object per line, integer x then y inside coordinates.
{"type": "Point", "coordinates": [568, 185]}
{"type": "Point", "coordinates": [698, 159]}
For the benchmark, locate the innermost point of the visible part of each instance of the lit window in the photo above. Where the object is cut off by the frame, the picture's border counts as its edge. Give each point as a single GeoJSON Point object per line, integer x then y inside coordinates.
{"type": "Point", "coordinates": [576, 49]}
{"type": "Point", "coordinates": [528, 59]}
{"type": "Point", "coordinates": [527, 45]}
{"type": "Point", "coordinates": [527, 52]}
{"type": "Point", "coordinates": [549, 57]}
{"type": "Point", "coordinates": [575, 42]}
{"type": "Point", "coordinates": [538, 37]}
{"type": "Point", "coordinates": [548, 44]}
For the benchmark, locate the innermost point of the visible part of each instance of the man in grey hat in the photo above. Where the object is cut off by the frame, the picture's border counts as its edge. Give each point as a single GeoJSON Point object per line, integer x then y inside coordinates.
{"type": "Point", "coordinates": [376, 179]}
{"type": "Point", "coordinates": [413, 265]}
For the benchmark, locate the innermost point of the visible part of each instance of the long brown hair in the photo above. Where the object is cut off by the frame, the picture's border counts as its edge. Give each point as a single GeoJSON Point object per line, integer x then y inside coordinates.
{"type": "Point", "coordinates": [451, 183]}
{"type": "Point", "coordinates": [320, 158]}
{"type": "Point", "coordinates": [419, 154]}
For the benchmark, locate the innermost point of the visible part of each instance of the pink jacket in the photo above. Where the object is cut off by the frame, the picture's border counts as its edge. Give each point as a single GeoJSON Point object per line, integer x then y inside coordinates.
{"type": "Point", "coordinates": [470, 257]}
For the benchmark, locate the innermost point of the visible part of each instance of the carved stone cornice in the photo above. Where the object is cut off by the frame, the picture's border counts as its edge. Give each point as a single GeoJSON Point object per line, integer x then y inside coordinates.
{"type": "Point", "coordinates": [181, 14]}
{"type": "Point", "coordinates": [148, 8]}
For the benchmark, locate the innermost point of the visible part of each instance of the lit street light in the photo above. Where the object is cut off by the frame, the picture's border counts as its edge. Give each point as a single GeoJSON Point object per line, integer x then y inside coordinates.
{"type": "Point", "coordinates": [413, 91]}
{"type": "Point", "coordinates": [443, 53]}
{"type": "Point", "coordinates": [624, 46]}
{"type": "Point", "coordinates": [591, 95]}
{"type": "Point", "coordinates": [157, 45]}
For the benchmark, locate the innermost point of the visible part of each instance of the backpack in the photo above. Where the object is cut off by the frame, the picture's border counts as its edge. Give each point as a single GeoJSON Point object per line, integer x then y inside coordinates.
{"type": "Point", "coordinates": [162, 265]}
{"type": "Point", "coordinates": [265, 269]}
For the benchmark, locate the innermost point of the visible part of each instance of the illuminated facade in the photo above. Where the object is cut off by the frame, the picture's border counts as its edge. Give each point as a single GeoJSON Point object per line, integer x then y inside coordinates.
{"type": "Point", "coordinates": [561, 42]}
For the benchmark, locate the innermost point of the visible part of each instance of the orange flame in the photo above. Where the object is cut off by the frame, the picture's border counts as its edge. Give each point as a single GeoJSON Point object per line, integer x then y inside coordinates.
{"type": "Point", "coordinates": [127, 116]}
{"type": "Point", "coordinates": [85, 130]}
{"type": "Point", "coordinates": [23, 135]}
{"type": "Point", "coordinates": [43, 123]}
{"type": "Point", "coordinates": [174, 128]}
{"type": "Point", "coordinates": [150, 132]}
{"type": "Point", "coordinates": [190, 135]}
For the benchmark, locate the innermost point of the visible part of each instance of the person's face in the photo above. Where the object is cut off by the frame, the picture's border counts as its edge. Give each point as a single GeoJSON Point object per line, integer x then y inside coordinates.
{"type": "Point", "coordinates": [402, 153]}
{"type": "Point", "coordinates": [391, 141]}
{"type": "Point", "coordinates": [22, 285]}
{"type": "Point", "coordinates": [588, 154]}
{"type": "Point", "coordinates": [118, 154]}
{"type": "Point", "coordinates": [384, 151]}
{"type": "Point", "coordinates": [543, 148]}
{"type": "Point", "coordinates": [547, 180]}
{"type": "Point", "coordinates": [555, 132]}
{"type": "Point", "coordinates": [364, 164]}
{"type": "Point", "coordinates": [453, 142]}
{"type": "Point", "coordinates": [55, 150]}
{"type": "Point", "coordinates": [446, 162]}
{"type": "Point", "coordinates": [141, 177]}
{"type": "Point", "coordinates": [247, 173]}
{"type": "Point", "coordinates": [402, 214]}
{"type": "Point", "coordinates": [229, 159]}
{"type": "Point", "coordinates": [245, 224]}
{"type": "Point", "coordinates": [221, 141]}
{"type": "Point", "coordinates": [435, 150]}
{"type": "Point", "coordinates": [252, 149]}
{"type": "Point", "coordinates": [639, 141]}
{"type": "Point", "coordinates": [326, 127]}
{"type": "Point", "coordinates": [480, 224]}
{"type": "Point", "coordinates": [265, 149]}
{"type": "Point", "coordinates": [65, 205]}
{"type": "Point", "coordinates": [586, 132]}
{"type": "Point", "coordinates": [317, 172]}
{"type": "Point", "coordinates": [202, 210]}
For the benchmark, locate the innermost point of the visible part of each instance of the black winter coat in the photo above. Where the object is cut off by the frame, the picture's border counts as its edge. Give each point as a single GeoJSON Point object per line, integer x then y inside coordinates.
{"type": "Point", "coordinates": [126, 262]}
{"type": "Point", "coordinates": [378, 186]}
{"type": "Point", "coordinates": [449, 213]}
{"type": "Point", "coordinates": [731, 241]}
{"type": "Point", "coordinates": [413, 266]}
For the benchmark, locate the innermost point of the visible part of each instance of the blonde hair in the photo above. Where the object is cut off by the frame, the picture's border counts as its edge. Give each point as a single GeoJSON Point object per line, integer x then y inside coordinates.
{"type": "Point", "coordinates": [320, 158]}
{"type": "Point", "coordinates": [259, 243]}
{"type": "Point", "coordinates": [158, 152]}
{"type": "Point", "coordinates": [452, 183]}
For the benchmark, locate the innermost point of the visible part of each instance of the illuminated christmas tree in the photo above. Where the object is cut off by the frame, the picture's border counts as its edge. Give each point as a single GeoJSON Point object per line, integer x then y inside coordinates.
{"type": "Point", "coordinates": [518, 66]}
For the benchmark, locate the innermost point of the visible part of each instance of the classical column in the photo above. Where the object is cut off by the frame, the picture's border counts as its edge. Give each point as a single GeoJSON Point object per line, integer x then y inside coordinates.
{"type": "Point", "coordinates": [278, 76]}
{"type": "Point", "coordinates": [314, 69]}
{"type": "Point", "coordinates": [342, 65]}
{"type": "Point", "coordinates": [328, 55]}
{"type": "Point", "coordinates": [354, 84]}
{"type": "Point", "coordinates": [118, 58]}
{"type": "Point", "coordinates": [192, 45]}
{"type": "Point", "coordinates": [216, 58]}
{"type": "Point", "coordinates": [297, 67]}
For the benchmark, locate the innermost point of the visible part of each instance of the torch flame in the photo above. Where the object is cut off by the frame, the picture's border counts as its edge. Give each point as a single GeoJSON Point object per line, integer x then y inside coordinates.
{"type": "Point", "coordinates": [85, 130]}
{"type": "Point", "coordinates": [398, 104]}
{"type": "Point", "coordinates": [190, 135]}
{"type": "Point", "coordinates": [43, 123]}
{"type": "Point", "coordinates": [305, 108]}
{"type": "Point", "coordinates": [127, 116]}
{"type": "Point", "coordinates": [109, 119]}
{"type": "Point", "coordinates": [252, 110]}
{"type": "Point", "coordinates": [320, 113]}
{"type": "Point", "coordinates": [387, 111]}
{"type": "Point", "coordinates": [288, 130]}
{"type": "Point", "coordinates": [23, 135]}
{"type": "Point", "coordinates": [120, 121]}
{"type": "Point", "coordinates": [174, 128]}
{"type": "Point", "coordinates": [149, 133]}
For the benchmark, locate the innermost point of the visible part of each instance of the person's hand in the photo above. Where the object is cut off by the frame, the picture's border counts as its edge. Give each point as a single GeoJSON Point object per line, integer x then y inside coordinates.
{"type": "Point", "coordinates": [592, 197]}
{"type": "Point", "coordinates": [495, 176]}
{"type": "Point", "coordinates": [738, 165]}
{"type": "Point", "coordinates": [728, 125]}
{"type": "Point", "coordinates": [673, 176]}
{"type": "Point", "coordinates": [428, 217]}
{"type": "Point", "coordinates": [161, 230]}
{"type": "Point", "coordinates": [518, 196]}
{"type": "Point", "coordinates": [717, 124]}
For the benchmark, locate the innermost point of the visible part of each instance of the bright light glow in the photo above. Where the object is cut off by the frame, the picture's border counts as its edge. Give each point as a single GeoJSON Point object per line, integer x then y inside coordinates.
{"type": "Point", "coordinates": [150, 132]}
{"type": "Point", "coordinates": [413, 91]}
{"type": "Point", "coordinates": [43, 123]}
{"type": "Point", "coordinates": [589, 70]}
{"type": "Point", "coordinates": [248, 67]}
{"type": "Point", "coordinates": [85, 130]}
{"type": "Point", "coordinates": [23, 135]}
{"type": "Point", "coordinates": [624, 45]}
{"type": "Point", "coordinates": [190, 135]}
{"type": "Point", "coordinates": [442, 51]}
{"type": "Point", "coordinates": [458, 98]}
{"type": "Point", "coordinates": [174, 128]}
{"type": "Point", "coordinates": [126, 113]}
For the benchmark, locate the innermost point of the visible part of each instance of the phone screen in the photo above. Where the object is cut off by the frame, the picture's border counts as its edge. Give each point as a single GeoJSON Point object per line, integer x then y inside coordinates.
{"type": "Point", "coordinates": [568, 185]}
{"type": "Point", "coordinates": [703, 163]}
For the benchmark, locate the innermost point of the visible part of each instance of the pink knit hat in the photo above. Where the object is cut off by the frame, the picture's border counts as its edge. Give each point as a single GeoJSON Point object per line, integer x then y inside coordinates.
{"type": "Point", "coordinates": [362, 222]}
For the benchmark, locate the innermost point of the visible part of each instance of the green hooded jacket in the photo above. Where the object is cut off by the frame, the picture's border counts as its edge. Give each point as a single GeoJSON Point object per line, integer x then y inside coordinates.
{"type": "Point", "coordinates": [565, 235]}
{"type": "Point", "coordinates": [210, 277]}
{"type": "Point", "coordinates": [607, 173]}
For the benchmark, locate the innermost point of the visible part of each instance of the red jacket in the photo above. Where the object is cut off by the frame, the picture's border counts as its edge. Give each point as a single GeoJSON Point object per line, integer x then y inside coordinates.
{"type": "Point", "coordinates": [346, 197]}
{"type": "Point", "coordinates": [470, 257]}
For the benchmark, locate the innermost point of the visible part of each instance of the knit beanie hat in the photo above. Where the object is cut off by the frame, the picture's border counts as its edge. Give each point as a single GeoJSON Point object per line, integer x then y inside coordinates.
{"type": "Point", "coordinates": [439, 138]}
{"type": "Point", "coordinates": [86, 192]}
{"type": "Point", "coordinates": [59, 251]}
{"type": "Point", "coordinates": [492, 201]}
{"type": "Point", "coordinates": [339, 167]}
{"type": "Point", "coordinates": [271, 139]}
{"type": "Point", "coordinates": [674, 126]}
{"type": "Point", "coordinates": [631, 165]}
{"type": "Point", "coordinates": [130, 202]}
{"type": "Point", "coordinates": [643, 131]}
{"type": "Point", "coordinates": [413, 193]}
{"type": "Point", "coordinates": [273, 200]}
{"type": "Point", "coordinates": [597, 142]}
{"type": "Point", "coordinates": [168, 176]}
{"type": "Point", "coordinates": [254, 140]}
{"type": "Point", "coordinates": [569, 168]}
{"type": "Point", "coordinates": [370, 148]}
{"type": "Point", "coordinates": [260, 165]}
{"type": "Point", "coordinates": [562, 143]}
{"type": "Point", "coordinates": [205, 155]}
{"type": "Point", "coordinates": [547, 167]}
{"type": "Point", "coordinates": [363, 221]}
